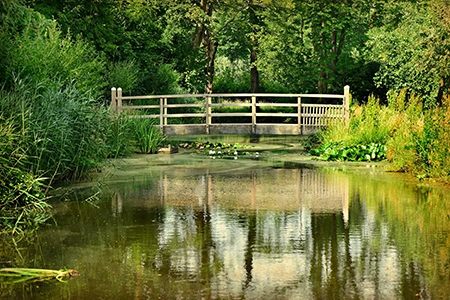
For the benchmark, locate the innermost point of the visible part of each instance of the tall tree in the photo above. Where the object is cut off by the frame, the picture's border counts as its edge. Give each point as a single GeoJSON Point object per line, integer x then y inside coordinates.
{"type": "Point", "coordinates": [330, 22]}
{"type": "Point", "coordinates": [411, 45]}
{"type": "Point", "coordinates": [441, 46]}
{"type": "Point", "coordinates": [203, 36]}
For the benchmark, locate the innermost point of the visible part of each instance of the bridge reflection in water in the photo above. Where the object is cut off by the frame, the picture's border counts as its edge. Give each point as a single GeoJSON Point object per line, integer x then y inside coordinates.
{"type": "Point", "coordinates": [267, 232]}
{"type": "Point", "coordinates": [277, 190]}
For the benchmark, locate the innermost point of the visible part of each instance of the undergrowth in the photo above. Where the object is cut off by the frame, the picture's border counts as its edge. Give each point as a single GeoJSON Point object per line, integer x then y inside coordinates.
{"type": "Point", "coordinates": [411, 138]}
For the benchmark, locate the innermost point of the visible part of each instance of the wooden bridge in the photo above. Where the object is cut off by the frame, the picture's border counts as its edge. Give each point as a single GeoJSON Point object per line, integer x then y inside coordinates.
{"type": "Point", "coordinates": [252, 114]}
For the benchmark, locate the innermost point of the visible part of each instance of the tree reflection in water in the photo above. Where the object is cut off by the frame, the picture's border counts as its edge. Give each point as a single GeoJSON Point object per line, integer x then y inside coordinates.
{"type": "Point", "coordinates": [262, 233]}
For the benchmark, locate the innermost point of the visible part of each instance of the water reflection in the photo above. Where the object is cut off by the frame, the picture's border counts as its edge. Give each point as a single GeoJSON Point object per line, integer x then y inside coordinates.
{"type": "Point", "coordinates": [253, 234]}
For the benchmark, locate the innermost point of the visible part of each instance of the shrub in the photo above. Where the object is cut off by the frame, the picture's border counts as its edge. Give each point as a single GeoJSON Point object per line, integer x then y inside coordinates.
{"type": "Point", "coordinates": [44, 56]}
{"type": "Point", "coordinates": [363, 137]}
{"type": "Point", "coordinates": [407, 132]}
{"type": "Point", "coordinates": [124, 75]}
{"type": "Point", "coordinates": [431, 144]}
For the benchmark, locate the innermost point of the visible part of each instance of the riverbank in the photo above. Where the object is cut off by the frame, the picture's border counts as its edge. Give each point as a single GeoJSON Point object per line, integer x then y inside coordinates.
{"type": "Point", "coordinates": [264, 152]}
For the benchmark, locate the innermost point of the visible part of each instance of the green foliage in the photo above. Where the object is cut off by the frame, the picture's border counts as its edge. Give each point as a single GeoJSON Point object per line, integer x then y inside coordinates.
{"type": "Point", "coordinates": [363, 137]}
{"type": "Point", "coordinates": [22, 201]}
{"type": "Point", "coordinates": [412, 139]}
{"type": "Point", "coordinates": [146, 134]}
{"type": "Point", "coordinates": [15, 275]}
{"type": "Point", "coordinates": [338, 151]}
{"type": "Point", "coordinates": [220, 149]}
{"type": "Point", "coordinates": [42, 55]}
{"type": "Point", "coordinates": [369, 123]}
{"type": "Point", "coordinates": [161, 79]}
{"type": "Point", "coordinates": [231, 77]}
{"type": "Point", "coordinates": [427, 146]}
{"type": "Point", "coordinates": [403, 47]}
{"type": "Point", "coordinates": [124, 74]}
{"type": "Point", "coordinates": [118, 142]}
{"type": "Point", "coordinates": [64, 134]}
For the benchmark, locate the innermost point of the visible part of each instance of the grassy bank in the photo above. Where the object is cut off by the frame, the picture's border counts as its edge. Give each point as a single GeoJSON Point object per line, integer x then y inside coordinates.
{"type": "Point", "coordinates": [411, 138]}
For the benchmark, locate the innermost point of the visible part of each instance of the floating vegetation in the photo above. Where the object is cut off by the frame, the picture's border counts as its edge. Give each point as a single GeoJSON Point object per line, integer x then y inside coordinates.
{"type": "Point", "coordinates": [15, 275]}
{"type": "Point", "coordinates": [220, 149]}
{"type": "Point", "coordinates": [211, 145]}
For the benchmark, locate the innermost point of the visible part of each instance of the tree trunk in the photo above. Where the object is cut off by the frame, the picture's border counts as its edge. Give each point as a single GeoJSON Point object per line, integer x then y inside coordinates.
{"type": "Point", "coordinates": [211, 50]}
{"type": "Point", "coordinates": [255, 22]}
{"type": "Point", "coordinates": [441, 91]}
{"type": "Point", "coordinates": [202, 38]}
{"type": "Point", "coordinates": [254, 74]}
{"type": "Point", "coordinates": [322, 86]}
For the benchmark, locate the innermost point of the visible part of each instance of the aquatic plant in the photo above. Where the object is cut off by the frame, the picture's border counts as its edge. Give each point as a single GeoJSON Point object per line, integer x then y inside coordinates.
{"type": "Point", "coordinates": [15, 275]}
{"type": "Point", "coordinates": [22, 200]}
{"type": "Point", "coordinates": [220, 149]}
{"type": "Point", "coordinates": [412, 138]}
{"type": "Point", "coordinates": [211, 145]}
{"type": "Point", "coordinates": [145, 134]}
{"type": "Point", "coordinates": [339, 151]}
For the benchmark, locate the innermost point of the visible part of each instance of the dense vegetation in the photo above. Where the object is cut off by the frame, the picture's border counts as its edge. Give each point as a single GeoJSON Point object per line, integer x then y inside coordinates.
{"type": "Point", "coordinates": [59, 59]}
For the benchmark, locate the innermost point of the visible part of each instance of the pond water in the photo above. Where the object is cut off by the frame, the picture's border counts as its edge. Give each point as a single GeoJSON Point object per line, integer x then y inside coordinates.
{"type": "Point", "coordinates": [185, 226]}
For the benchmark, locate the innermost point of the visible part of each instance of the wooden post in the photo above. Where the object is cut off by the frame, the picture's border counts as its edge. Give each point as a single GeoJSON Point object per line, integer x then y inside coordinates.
{"type": "Point", "coordinates": [119, 100]}
{"type": "Point", "coordinates": [113, 105]}
{"type": "Point", "coordinates": [165, 111]}
{"type": "Point", "coordinates": [208, 120]}
{"type": "Point", "coordinates": [161, 114]}
{"type": "Point", "coordinates": [253, 114]}
{"type": "Point", "coordinates": [346, 103]}
{"type": "Point", "coordinates": [299, 115]}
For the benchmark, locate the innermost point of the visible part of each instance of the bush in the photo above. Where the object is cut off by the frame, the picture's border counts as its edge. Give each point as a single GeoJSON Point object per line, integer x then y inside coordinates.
{"type": "Point", "coordinates": [232, 81]}
{"type": "Point", "coordinates": [124, 75]}
{"type": "Point", "coordinates": [44, 57]}
{"type": "Point", "coordinates": [431, 147]}
{"type": "Point", "coordinates": [412, 139]}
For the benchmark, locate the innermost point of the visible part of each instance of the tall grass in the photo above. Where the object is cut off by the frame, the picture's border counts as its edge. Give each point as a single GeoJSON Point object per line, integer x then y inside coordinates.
{"type": "Point", "coordinates": [416, 140]}
{"type": "Point", "coordinates": [146, 135]}
{"type": "Point", "coordinates": [22, 201]}
{"type": "Point", "coordinates": [424, 148]}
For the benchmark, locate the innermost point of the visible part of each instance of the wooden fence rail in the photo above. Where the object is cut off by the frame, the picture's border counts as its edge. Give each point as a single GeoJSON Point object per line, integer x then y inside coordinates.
{"type": "Point", "coordinates": [262, 114]}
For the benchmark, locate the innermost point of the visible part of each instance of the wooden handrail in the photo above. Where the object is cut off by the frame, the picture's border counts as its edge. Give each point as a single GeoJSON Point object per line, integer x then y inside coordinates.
{"type": "Point", "coordinates": [307, 114]}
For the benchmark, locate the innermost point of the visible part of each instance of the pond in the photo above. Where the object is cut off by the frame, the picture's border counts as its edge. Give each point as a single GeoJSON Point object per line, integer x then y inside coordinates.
{"type": "Point", "coordinates": [185, 226]}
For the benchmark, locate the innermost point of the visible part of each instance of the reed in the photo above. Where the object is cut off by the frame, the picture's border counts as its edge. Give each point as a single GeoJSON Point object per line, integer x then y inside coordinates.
{"type": "Point", "coordinates": [147, 136]}
{"type": "Point", "coordinates": [16, 275]}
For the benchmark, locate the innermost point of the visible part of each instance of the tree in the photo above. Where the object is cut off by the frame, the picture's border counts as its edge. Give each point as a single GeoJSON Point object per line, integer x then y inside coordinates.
{"type": "Point", "coordinates": [440, 46]}
{"type": "Point", "coordinates": [203, 36]}
{"type": "Point", "coordinates": [412, 49]}
{"type": "Point", "coordinates": [332, 27]}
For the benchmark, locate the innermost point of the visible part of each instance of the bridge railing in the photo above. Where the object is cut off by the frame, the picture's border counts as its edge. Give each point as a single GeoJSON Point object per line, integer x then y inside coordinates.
{"type": "Point", "coordinates": [292, 116]}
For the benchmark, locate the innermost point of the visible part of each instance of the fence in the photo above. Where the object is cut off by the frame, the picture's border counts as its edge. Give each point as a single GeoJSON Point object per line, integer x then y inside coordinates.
{"type": "Point", "coordinates": [262, 113]}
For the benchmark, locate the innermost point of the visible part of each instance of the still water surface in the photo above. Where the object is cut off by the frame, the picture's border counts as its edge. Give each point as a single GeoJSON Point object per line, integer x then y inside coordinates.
{"type": "Point", "coordinates": [243, 229]}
